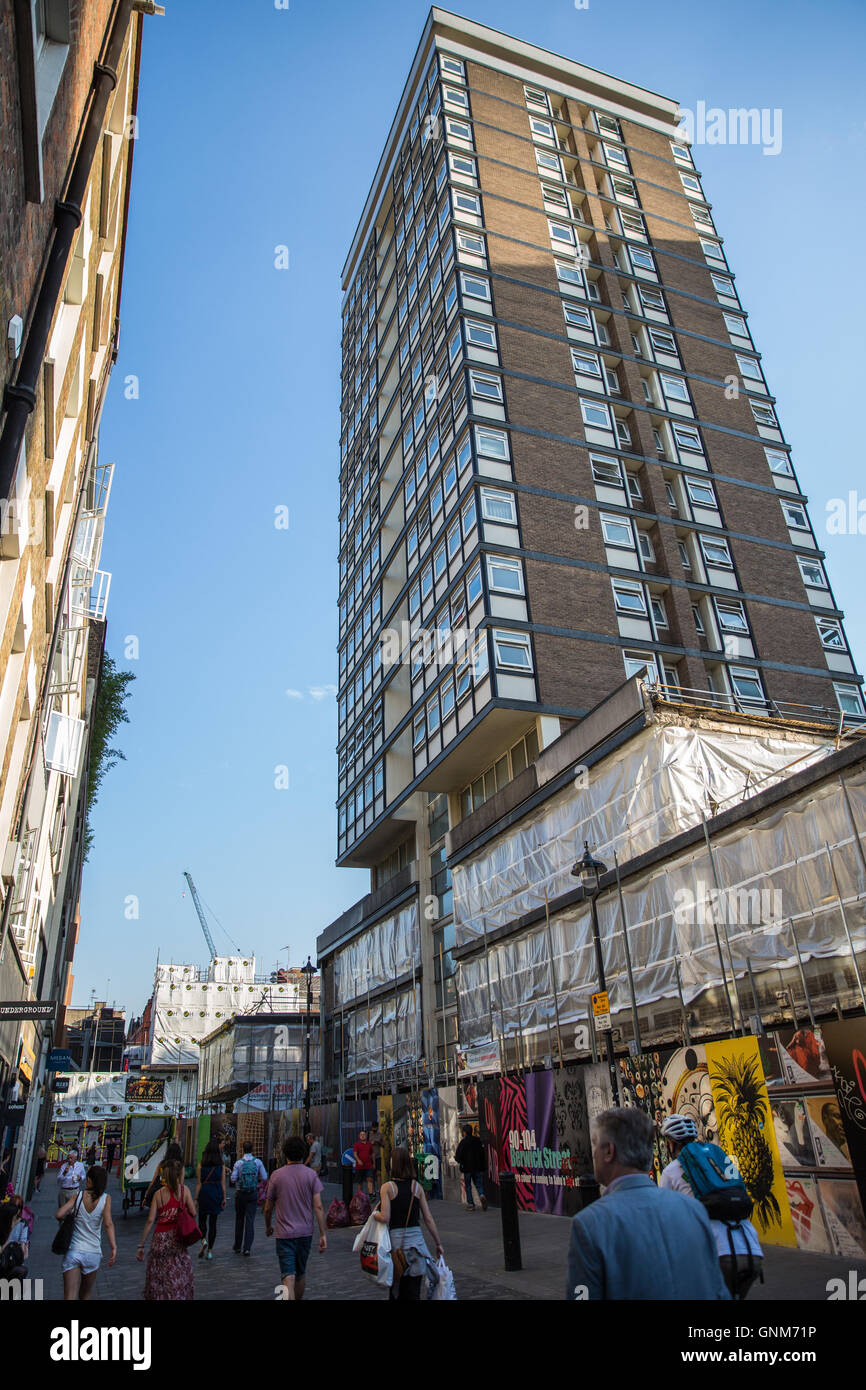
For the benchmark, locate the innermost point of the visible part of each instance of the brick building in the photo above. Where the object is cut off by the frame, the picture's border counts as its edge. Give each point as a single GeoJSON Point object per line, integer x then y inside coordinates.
{"type": "Point", "coordinates": [69, 79]}
{"type": "Point", "coordinates": [561, 466]}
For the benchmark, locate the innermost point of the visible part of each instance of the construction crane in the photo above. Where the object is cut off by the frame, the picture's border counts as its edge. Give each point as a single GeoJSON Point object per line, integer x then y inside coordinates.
{"type": "Point", "coordinates": [201, 917]}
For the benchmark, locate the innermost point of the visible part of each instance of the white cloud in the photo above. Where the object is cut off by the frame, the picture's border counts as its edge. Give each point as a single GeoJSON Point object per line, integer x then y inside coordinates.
{"type": "Point", "coordinates": [295, 694]}
{"type": "Point", "coordinates": [321, 692]}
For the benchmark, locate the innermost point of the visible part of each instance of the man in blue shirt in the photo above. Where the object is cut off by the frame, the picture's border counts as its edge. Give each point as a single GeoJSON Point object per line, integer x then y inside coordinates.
{"type": "Point", "coordinates": [246, 1175]}
{"type": "Point", "coordinates": [637, 1241]}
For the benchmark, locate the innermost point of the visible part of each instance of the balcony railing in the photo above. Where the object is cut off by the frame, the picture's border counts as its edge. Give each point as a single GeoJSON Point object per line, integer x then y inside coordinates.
{"type": "Point", "coordinates": [839, 720]}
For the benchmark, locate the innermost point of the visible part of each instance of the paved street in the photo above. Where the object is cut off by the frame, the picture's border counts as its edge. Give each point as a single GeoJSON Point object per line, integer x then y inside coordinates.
{"type": "Point", "coordinates": [473, 1247]}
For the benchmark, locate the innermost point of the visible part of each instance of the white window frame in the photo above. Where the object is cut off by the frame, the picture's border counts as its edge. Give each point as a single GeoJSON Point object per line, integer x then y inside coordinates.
{"type": "Point", "coordinates": [594, 369]}
{"type": "Point", "coordinates": [514, 639]}
{"type": "Point", "coordinates": [727, 563]}
{"type": "Point", "coordinates": [675, 388]}
{"type": "Point", "coordinates": [610, 520]}
{"type": "Point", "coordinates": [843, 692]}
{"type": "Point", "coordinates": [734, 609]}
{"type": "Point", "coordinates": [694, 485]}
{"type": "Point", "coordinates": [763, 407]}
{"type": "Point", "coordinates": [624, 589]}
{"type": "Point", "coordinates": [467, 277]}
{"type": "Point", "coordinates": [802, 519]}
{"type": "Point", "coordinates": [752, 362]}
{"type": "Point", "coordinates": [582, 315]}
{"type": "Point", "coordinates": [481, 334]}
{"type": "Point", "coordinates": [484, 451]}
{"type": "Point", "coordinates": [638, 659]}
{"type": "Point", "coordinates": [834, 625]}
{"type": "Point", "coordinates": [689, 432]}
{"type": "Point", "coordinates": [747, 673]}
{"type": "Point", "coordinates": [663, 333]}
{"type": "Point", "coordinates": [597, 461]}
{"type": "Point", "coordinates": [779, 463]}
{"type": "Point", "coordinates": [507, 564]}
{"type": "Point", "coordinates": [635, 255]}
{"type": "Point", "coordinates": [818, 567]}
{"type": "Point", "coordinates": [477, 378]}
{"type": "Point", "coordinates": [493, 497]}
{"type": "Point", "coordinates": [587, 406]}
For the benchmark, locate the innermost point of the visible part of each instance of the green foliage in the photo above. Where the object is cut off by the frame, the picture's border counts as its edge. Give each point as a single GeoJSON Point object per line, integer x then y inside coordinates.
{"type": "Point", "coordinates": [110, 712]}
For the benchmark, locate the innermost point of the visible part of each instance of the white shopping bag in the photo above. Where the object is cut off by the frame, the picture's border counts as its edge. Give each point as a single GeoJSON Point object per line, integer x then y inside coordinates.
{"type": "Point", "coordinates": [373, 1243]}
{"type": "Point", "coordinates": [445, 1288]}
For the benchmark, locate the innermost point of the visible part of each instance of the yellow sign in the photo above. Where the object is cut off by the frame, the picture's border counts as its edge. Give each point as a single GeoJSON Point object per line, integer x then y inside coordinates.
{"type": "Point", "coordinates": [600, 1003]}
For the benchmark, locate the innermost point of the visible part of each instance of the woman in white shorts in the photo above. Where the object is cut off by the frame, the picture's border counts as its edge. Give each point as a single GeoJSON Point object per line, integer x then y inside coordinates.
{"type": "Point", "coordinates": [92, 1215]}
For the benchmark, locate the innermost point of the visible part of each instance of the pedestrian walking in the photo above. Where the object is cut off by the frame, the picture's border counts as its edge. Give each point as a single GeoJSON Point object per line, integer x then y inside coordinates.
{"type": "Point", "coordinates": [314, 1155]}
{"type": "Point", "coordinates": [41, 1159]}
{"type": "Point", "coordinates": [110, 1150]}
{"type": "Point", "coordinates": [210, 1195]}
{"type": "Point", "coordinates": [376, 1144]}
{"type": "Point", "coordinates": [363, 1151]}
{"type": "Point", "coordinates": [741, 1258]}
{"type": "Point", "coordinates": [173, 1154]}
{"type": "Point", "coordinates": [402, 1205]}
{"type": "Point", "coordinates": [247, 1173]}
{"type": "Point", "coordinates": [294, 1198]}
{"type": "Point", "coordinates": [169, 1276]}
{"type": "Point", "coordinates": [92, 1209]}
{"type": "Point", "coordinates": [638, 1241]}
{"type": "Point", "coordinates": [14, 1243]}
{"type": "Point", "coordinates": [90, 1156]}
{"type": "Point", "coordinates": [471, 1157]}
{"type": "Point", "coordinates": [70, 1176]}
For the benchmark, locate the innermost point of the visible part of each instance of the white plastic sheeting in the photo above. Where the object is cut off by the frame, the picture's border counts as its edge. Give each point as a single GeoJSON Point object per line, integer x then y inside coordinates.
{"type": "Point", "coordinates": [101, 1096]}
{"type": "Point", "coordinates": [265, 1061]}
{"type": "Point", "coordinates": [378, 955]}
{"type": "Point", "coordinates": [188, 1005]}
{"type": "Point", "coordinates": [770, 872]}
{"type": "Point", "coordinates": [654, 787]}
{"type": "Point", "coordinates": [385, 1035]}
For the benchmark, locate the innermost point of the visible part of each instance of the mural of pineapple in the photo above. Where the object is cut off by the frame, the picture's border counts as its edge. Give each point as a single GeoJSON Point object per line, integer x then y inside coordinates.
{"type": "Point", "coordinates": [742, 1113]}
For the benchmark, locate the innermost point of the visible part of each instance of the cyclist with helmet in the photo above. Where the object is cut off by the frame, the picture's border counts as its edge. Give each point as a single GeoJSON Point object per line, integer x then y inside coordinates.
{"type": "Point", "coordinates": [740, 1255]}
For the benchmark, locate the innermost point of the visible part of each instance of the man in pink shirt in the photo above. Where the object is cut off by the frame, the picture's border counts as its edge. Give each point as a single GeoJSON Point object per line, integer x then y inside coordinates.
{"type": "Point", "coordinates": [295, 1194]}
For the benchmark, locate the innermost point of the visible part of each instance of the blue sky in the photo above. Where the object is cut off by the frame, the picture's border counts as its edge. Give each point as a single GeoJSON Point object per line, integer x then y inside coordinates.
{"type": "Point", "coordinates": [262, 127]}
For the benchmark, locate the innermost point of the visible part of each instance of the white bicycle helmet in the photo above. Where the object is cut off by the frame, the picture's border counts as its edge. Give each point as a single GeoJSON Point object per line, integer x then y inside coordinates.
{"type": "Point", "coordinates": [681, 1128]}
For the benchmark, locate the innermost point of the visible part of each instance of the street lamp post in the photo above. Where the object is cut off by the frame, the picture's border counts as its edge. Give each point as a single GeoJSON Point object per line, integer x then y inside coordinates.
{"type": "Point", "coordinates": [309, 970]}
{"type": "Point", "coordinates": [589, 871]}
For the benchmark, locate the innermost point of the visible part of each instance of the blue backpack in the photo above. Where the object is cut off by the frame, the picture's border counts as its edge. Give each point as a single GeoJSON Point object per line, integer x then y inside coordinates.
{"type": "Point", "coordinates": [715, 1181]}
{"type": "Point", "coordinates": [248, 1176]}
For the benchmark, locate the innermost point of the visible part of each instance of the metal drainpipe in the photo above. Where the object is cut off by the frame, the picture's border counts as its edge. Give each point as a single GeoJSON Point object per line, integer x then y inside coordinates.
{"type": "Point", "coordinates": [20, 396]}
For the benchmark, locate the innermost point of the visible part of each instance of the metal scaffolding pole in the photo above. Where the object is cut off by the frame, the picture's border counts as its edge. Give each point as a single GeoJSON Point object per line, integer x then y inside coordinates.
{"type": "Point", "coordinates": [634, 1014]}
{"type": "Point", "coordinates": [727, 940]}
{"type": "Point", "coordinates": [802, 974]}
{"type": "Point", "coordinates": [552, 975]}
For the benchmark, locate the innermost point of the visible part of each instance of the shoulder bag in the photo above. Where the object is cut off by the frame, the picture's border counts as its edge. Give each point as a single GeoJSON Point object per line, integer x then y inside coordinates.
{"type": "Point", "coordinates": [62, 1241]}
{"type": "Point", "coordinates": [186, 1225]}
{"type": "Point", "coordinates": [398, 1257]}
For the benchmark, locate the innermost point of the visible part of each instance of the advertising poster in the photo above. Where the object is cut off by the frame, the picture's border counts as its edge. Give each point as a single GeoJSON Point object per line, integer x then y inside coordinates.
{"type": "Point", "coordinates": [467, 1099]}
{"type": "Point", "coordinates": [846, 1052]}
{"type": "Point", "coordinates": [844, 1216]}
{"type": "Point", "coordinates": [489, 1132]}
{"type": "Point", "coordinates": [745, 1126]}
{"type": "Point", "coordinates": [807, 1215]}
{"type": "Point", "coordinates": [143, 1088]}
{"type": "Point", "coordinates": [793, 1133]}
{"type": "Point", "coordinates": [431, 1140]}
{"type": "Point", "coordinates": [596, 1085]}
{"type": "Point", "coordinates": [828, 1136]}
{"type": "Point", "coordinates": [686, 1090]}
{"type": "Point", "coordinates": [640, 1085]}
{"type": "Point", "coordinates": [385, 1116]}
{"type": "Point", "coordinates": [450, 1136]}
{"type": "Point", "coordinates": [572, 1119]}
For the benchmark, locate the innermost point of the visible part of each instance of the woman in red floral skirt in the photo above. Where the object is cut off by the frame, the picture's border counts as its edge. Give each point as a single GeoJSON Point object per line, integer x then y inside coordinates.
{"type": "Point", "coordinates": [169, 1268]}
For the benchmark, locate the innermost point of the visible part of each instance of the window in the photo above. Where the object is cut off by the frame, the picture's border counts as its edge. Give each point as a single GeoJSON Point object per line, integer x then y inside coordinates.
{"type": "Point", "coordinates": [813, 574]}
{"type": "Point", "coordinates": [645, 546]}
{"type": "Point", "coordinates": [764, 414]}
{"type": "Point", "coordinates": [681, 153]}
{"type": "Point", "coordinates": [542, 130]}
{"type": "Point", "coordinates": [473, 585]}
{"type": "Point", "coordinates": [585, 363]}
{"type": "Point", "coordinates": [419, 731]}
{"type": "Point", "coordinates": [466, 202]}
{"type": "Point", "coordinates": [576, 315]}
{"type": "Point", "coordinates": [732, 616]}
{"type": "Point", "coordinates": [548, 163]}
{"type": "Point", "coordinates": [633, 222]}
{"type": "Point", "coordinates": [641, 259]}
{"type": "Point", "coordinates": [653, 299]}
{"type": "Point", "coordinates": [453, 540]}
{"type": "Point", "coordinates": [595, 414]}
{"type": "Point", "coordinates": [512, 649]}
{"type": "Point", "coordinates": [660, 616]}
{"type": "Point", "coordinates": [484, 386]}
{"type": "Point", "coordinates": [669, 494]}
{"type": "Point", "coordinates": [699, 622]}
{"type": "Point", "coordinates": [498, 506]}
{"type": "Point", "coordinates": [795, 515]}
{"type": "Point", "coordinates": [463, 679]}
{"type": "Point", "coordinates": [623, 434]}
{"type": "Point", "coordinates": [675, 388]}
{"type": "Point", "coordinates": [848, 698]}
{"type": "Point", "coordinates": [687, 438]}
{"type": "Point", "coordinates": [662, 341]}
{"type": "Point", "coordinates": [617, 531]}
{"type": "Point", "coordinates": [605, 471]}
{"type": "Point", "coordinates": [607, 125]}
{"type": "Point", "coordinates": [557, 196]}
{"type": "Point", "coordinates": [459, 130]}
{"type": "Point", "coordinates": [462, 164]}
{"type": "Point", "coordinates": [469, 242]}
{"type": "Point", "coordinates": [724, 286]}
{"type": "Point", "coordinates": [641, 664]}
{"type": "Point", "coordinates": [491, 443]}
{"type": "Point", "coordinates": [537, 100]}
{"type": "Point", "coordinates": [748, 367]}
{"type": "Point", "coordinates": [453, 66]}
{"type": "Point", "coordinates": [561, 232]}
{"type": "Point", "coordinates": [469, 517]}
{"type": "Point", "coordinates": [701, 492]}
{"type": "Point", "coordinates": [746, 684]}
{"type": "Point", "coordinates": [633, 485]}
{"type": "Point", "coordinates": [831, 634]}
{"type": "Point", "coordinates": [691, 184]}
{"type": "Point", "coordinates": [628, 598]}
{"type": "Point", "coordinates": [685, 558]}
{"type": "Point", "coordinates": [447, 695]}
{"type": "Point", "coordinates": [701, 217]}
{"type": "Point", "coordinates": [779, 462]}
{"type": "Point", "coordinates": [568, 274]}
{"type": "Point", "coordinates": [480, 334]}
{"type": "Point", "coordinates": [474, 286]}
{"type": "Point", "coordinates": [433, 715]}
{"type": "Point", "coordinates": [716, 552]}
{"type": "Point", "coordinates": [736, 325]}
{"type": "Point", "coordinates": [711, 249]}
{"type": "Point", "coordinates": [624, 190]}
{"type": "Point", "coordinates": [505, 574]}
{"type": "Point", "coordinates": [614, 155]}
{"type": "Point", "coordinates": [456, 96]}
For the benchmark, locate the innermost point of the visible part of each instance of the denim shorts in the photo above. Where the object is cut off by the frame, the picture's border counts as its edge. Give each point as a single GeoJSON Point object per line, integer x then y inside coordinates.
{"type": "Point", "coordinates": [85, 1260]}
{"type": "Point", "coordinates": [293, 1254]}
